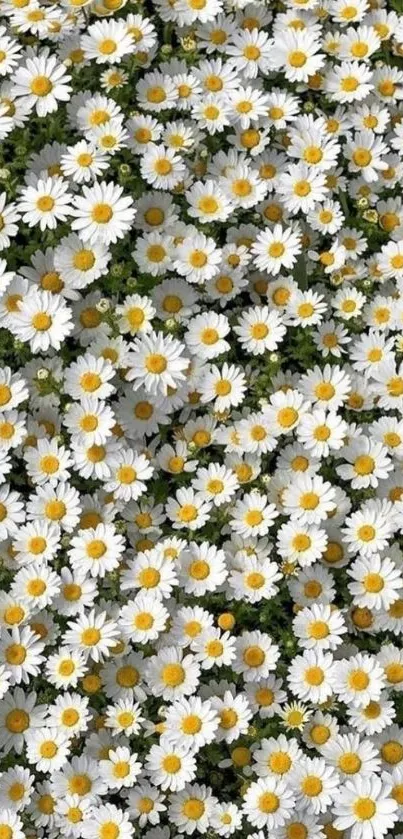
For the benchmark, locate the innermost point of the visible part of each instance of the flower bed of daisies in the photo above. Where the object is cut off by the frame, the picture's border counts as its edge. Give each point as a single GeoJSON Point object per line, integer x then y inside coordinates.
{"type": "Point", "coordinates": [201, 419]}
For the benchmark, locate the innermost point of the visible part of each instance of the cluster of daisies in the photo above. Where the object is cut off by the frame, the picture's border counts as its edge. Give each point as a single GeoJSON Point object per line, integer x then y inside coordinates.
{"type": "Point", "coordinates": [201, 419]}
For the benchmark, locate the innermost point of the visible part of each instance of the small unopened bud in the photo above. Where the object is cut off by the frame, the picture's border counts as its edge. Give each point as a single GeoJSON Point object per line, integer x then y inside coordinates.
{"type": "Point", "coordinates": [371, 216]}
{"type": "Point", "coordinates": [103, 305]}
{"type": "Point", "coordinates": [309, 107]}
{"type": "Point", "coordinates": [171, 324]}
{"type": "Point", "coordinates": [120, 526]}
{"type": "Point", "coordinates": [42, 374]}
{"type": "Point", "coordinates": [188, 43]}
{"type": "Point", "coordinates": [117, 269]}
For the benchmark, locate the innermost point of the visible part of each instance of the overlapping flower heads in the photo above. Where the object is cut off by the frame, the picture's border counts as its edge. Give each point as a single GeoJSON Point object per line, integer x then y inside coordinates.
{"type": "Point", "coordinates": [201, 419]}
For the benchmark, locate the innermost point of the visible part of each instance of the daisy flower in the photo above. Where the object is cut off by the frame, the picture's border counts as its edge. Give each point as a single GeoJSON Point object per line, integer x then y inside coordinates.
{"type": "Point", "coordinates": [92, 634]}
{"type": "Point", "coordinates": [107, 41]}
{"type": "Point", "coordinates": [268, 803]}
{"type": "Point", "coordinates": [256, 656]}
{"type": "Point", "coordinates": [171, 765]}
{"type": "Point", "coordinates": [43, 320]}
{"type": "Point", "coordinates": [172, 675]}
{"type": "Point", "coordinates": [365, 804]}
{"type": "Point", "coordinates": [42, 82]}
{"type": "Point", "coordinates": [276, 249]}
{"type": "Point", "coordinates": [358, 680]}
{"type": "Point", "coordinates": [102, 213]}
{"type": "Point", "coordinates": [157, 363]}
{"type": "Point", "coordinates": [45, 202]}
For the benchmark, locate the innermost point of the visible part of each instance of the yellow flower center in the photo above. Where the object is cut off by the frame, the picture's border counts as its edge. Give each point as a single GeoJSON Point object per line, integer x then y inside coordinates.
{"type": "Point", "coordinates": [276, 250]}
{"type": "Point", "coordinates": [191, 724]}
{"type": "Point", "coordinates": [101, 213]}
{"type": "Point", "coordinates": [309, 501]}
{"type": "Point", "coordinates": [15, 654]}
{"type": "Point", "coordinates": [51, 281]}
{"type": "Point", "coordinates": [296, 830]}
{"type": "Point", "coordinates": [279, 763]}
{"type": "Point", "coordinates": [199, 570]}
{"type": "Point", "coordinates": [287, 417]}
{"type": "Point", "coordinates": [392, 752]}
{"type": "Point", "coordinates": [394, 672]}
{"type": "Point", "coordinates": [37, 545]}
{"type": "Point", "coordinates": [366, 533]}
{"type": "Point", "coordinates": [373, 583]}
{"type": "Point", "coordinates": [173, 675]}
{"type": "Point", "coordinates": [208, 205]}
{"type": "Point", "coordinates": [364, 808]}
{"type": "Point", "coordinates": [314, 676]}
{"type": "Point", "coordinates": [395, 386]}
{"type": "Point", "coordinates": [36, 587]}
{"type": "Point", "coordinates": [149, 577]}
{"type": "Point", "coordinates": [349, 763]}
{"type": "Point", "coordinates": [320, 734]}
{"type": "Point", "coordinates": [109, 830]}
{"type": "Point", "coordinates": [253, 518]}
{"type": "Point", "coordinates": [312, 786]}
{"type": "Point", "coordinates": [41, 86]}
{"type": "Point", "coordinates": [362, 157]}
{"type": "Point", "coordinates": [107, 47]}
{"type": "Point", "coordinates": [318, 630]}
{"type": "Point", "coordinates": [13, 615]}
{"type": "Point", "coordinates": [268, 802]}
{"type": "Point", "coordinates": [17, 721]}
{"type": "Point", "coordinates": [96, 549]}
{"type": "Point", "coordinates": [45, 204]}
{"type": "Point", "coordinates": [84, 260]}
{"type": "Point", "coordinates": [72, 592]}
{"type": "Point", "coordinates": [254, 656]}
{"type": "Point", "coordinates": [90, 382]}
{"type": "Point", "coordinates": [223, 387]}
{"type": "Point", "coordinates": [156, 363]}
{"type": "Point", "coordinates": [313, 154]}
{"type": "Point", "coordinates": [349, 84]}
{"type": "Point", "coordinates": [297, 58]}
{"type": "Point", "coordinates": [90, 637]}
{"type": "Point", "coordinates": [187, 513]}
{"type": "Point", "coordinates": [364, 465]}
{"type": "Point", "coordinates": [358, 680]}
{"type": "Point", "coordinates": [255, 580]}
{"type": "Point", "coordinates": [193, 809]}
{"type": "Point", "coordinates": [48, 749]}
{"type": "Point", "coordinates": [66, 667]}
